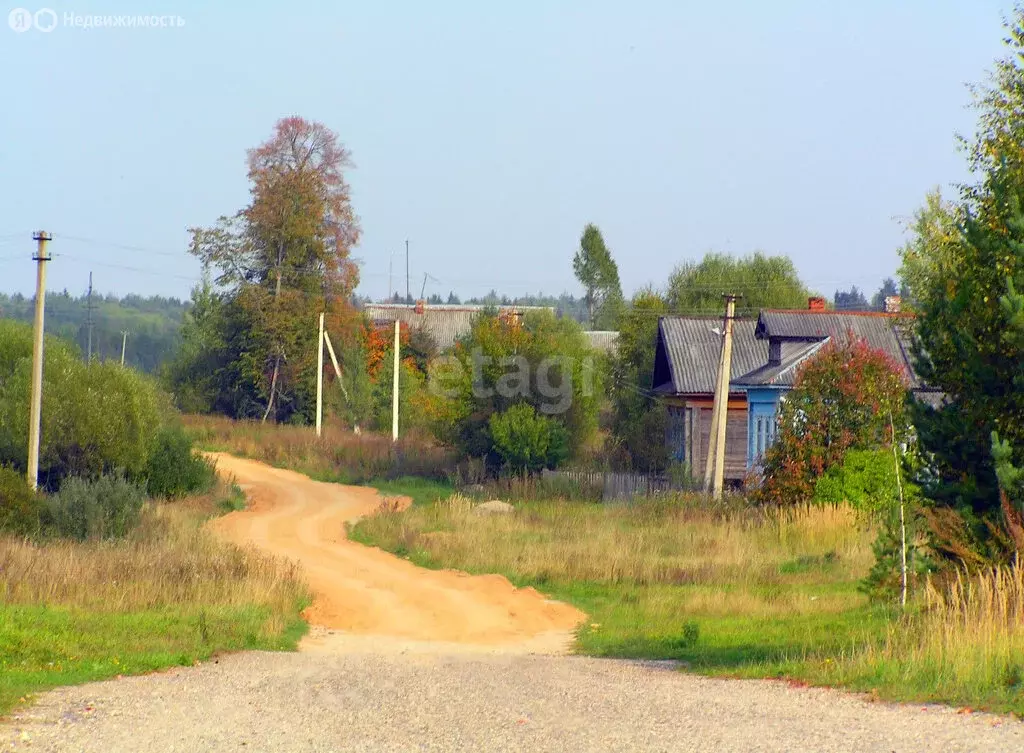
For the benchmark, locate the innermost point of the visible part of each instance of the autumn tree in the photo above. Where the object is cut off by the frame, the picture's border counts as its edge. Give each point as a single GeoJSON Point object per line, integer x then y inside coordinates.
{"type": "Point", "coordinates": [599, 275]}
{"type": "Point", "coordinates": [280, 261]}
{"type": "Point", "coordinates": [843, 399]}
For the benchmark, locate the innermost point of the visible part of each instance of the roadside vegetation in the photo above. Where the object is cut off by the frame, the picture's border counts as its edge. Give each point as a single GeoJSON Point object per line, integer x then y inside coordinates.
{"type": "Point", "coordinates": [165, 594]}
{"type": "Point", "coordinates": [106, 569]}
{"type": "Point", "coordinates": [736, 591]}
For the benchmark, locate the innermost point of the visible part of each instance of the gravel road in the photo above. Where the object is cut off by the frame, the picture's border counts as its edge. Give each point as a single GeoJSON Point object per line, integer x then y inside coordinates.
{"type": "Point", "coordinates": [379, 696]}
{"type": "Point", "coordinates": [404, 659]}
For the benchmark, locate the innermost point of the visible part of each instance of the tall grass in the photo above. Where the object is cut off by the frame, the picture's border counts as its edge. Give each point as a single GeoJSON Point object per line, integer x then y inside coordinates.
{"type": "Point", "coordinates": [650, 542]}
{"type": "Point", "coordinates": [168, 593]}
{"type": "Point", "coordinates": [966, 642]}
{"type": "Point", "coordinates": [336, 455]}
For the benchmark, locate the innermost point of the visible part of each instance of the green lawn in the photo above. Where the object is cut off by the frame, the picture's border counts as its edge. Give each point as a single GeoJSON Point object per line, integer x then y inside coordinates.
{"type": "Point", "coordinates": [45, 647]}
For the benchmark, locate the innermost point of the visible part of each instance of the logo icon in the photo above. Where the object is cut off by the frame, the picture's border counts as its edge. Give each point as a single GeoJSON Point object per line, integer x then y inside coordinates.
{"type": "Point", "coordinates": [20, 19]}
{"type": "Point", "coordinates": [46, 20]}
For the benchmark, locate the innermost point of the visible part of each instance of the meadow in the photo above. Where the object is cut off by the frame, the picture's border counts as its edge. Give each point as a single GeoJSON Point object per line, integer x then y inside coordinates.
{"type": "Point", "coordinates": [168, 594]}
{"type": "Point", "coordinates": [736, 591]}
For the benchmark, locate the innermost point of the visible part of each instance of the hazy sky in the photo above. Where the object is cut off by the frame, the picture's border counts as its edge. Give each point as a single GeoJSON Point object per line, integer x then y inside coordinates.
{"type": "Point", "coordinates": [490, 133]}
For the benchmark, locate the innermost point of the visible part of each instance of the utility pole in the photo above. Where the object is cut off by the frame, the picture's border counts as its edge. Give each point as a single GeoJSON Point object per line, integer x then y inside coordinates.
{"type": "Point", "coordinates": [391, 271]}
{"type": "Point", "coordinates": [320, 376]}
{"type": "Point", "coordinates": [408, 294]}
{"type": "Point", "coordinates": [722, 396]}
{"type": "Point", "coordinates": [36, 407]}
{"type": "Point", "coordinates": [89, 322]}
{"type": "Point", "coordinates": [394, 389]}
{"type": "Point", "coordinates": [709, 459]}
{"type": "Point", "coordinates": [124, 344]}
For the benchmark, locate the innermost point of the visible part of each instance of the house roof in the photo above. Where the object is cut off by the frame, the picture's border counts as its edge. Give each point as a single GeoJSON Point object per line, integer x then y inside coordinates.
{"type": "Point", "coordinates": [445, 323]}
{"type": "Point", "coordinates": [688, 352]}
{"type": "Point", "coordinates": [804, 332]}
{"type": "Point", "coordinates": [780, 374]}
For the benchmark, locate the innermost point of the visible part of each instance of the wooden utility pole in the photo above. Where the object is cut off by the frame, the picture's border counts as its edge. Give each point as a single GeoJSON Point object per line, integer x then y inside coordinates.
{"type": "Point", "coordinates": [394, 388]}
{"type": "Point", "coordinates": [709, 460]}
{"type": "Point", "coordinates": [723, 413]}
{"type": "Point", "coordinates": [408, 293]}
{"type": "Point", "coordinates": [89, 322]}
{"type": "Point", "coordinates": [714, 467]}
{"type": "Point", "coordinates": [124, 344]}
{"type": "Point", "coordinates": [320, 375]}
{"type": "Point", "coordinates": [36, 406]}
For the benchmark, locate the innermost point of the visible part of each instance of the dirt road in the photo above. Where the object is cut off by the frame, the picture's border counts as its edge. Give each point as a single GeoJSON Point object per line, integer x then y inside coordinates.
{"type": "Point", "coordinates": [361, 590]}
{"type": "Point", "coordinates": [402, 659]}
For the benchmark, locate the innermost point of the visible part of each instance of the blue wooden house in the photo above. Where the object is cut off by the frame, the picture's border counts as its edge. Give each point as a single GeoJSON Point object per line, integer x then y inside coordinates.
{"type": "Point", "coordinates": [767, 353]}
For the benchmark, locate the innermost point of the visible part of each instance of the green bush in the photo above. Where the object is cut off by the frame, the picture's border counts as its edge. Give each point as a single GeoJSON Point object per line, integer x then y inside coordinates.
{"type": "Point", "coordinates": [96, 419]}
{"type": "Point", "coordinates": [527, 441]}
{"type": "Point", "coordinates": [19, 505]}
{"type": "Point", "coordinates": [174, 469]}
{"type": "Point", "coordinates": [104, 508]}
{"type": "Point", "coordinates": [866, 479]}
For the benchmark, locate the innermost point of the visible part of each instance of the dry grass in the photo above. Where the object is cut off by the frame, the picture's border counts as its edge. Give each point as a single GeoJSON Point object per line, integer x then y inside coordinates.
{"type": "Point", "coordinates": [168, 594]}
{"type": "Point", "coordinates": [169, 561]}
{"type": "Point", "coordinates": [336, 455]}
{"type": "Point", "coordinates": [642, 544]}
{"type": "Point", "coordinates": [967, 642]}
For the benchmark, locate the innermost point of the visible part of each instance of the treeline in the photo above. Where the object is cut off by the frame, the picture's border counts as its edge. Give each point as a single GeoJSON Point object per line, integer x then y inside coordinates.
{"type": "Point", "coordinates": [153, 324]}
{"type": "Point", "coordinates": [565, 305]}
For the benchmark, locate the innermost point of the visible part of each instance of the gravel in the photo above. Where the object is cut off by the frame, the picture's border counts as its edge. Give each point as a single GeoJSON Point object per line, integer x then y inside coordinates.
{"type": "Point", "coordinates": [444, 698]}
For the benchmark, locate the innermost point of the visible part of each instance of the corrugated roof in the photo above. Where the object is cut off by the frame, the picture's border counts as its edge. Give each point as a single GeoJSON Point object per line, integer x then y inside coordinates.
{"type": "Point", "coordinates": [782, 373]}
{"type": "Point", "coordinates": [888, 333]}
{"type": "Point", "coordinates": [688, 353]}
{"type": "Point", "coordinates": [445, 323]}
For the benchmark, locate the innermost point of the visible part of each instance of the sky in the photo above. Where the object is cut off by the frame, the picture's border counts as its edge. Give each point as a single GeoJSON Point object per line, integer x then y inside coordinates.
{"type": "Point", "coordinates": [489, 134]}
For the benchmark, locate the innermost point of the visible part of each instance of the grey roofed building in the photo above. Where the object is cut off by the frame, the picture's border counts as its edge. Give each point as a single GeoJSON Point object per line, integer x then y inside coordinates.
{"type": "Point", "coordinates": [689, 349]}
{"type": "Point", "coordinates": [795, 336]}
{"type": "Point", "coordinates": [444, 323]}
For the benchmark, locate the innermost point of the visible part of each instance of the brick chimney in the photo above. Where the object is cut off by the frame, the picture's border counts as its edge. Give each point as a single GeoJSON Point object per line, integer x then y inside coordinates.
{"type": "Point", "coordinates": [892, 304]}
{"type": "Point", "coordinates": [816, 303]}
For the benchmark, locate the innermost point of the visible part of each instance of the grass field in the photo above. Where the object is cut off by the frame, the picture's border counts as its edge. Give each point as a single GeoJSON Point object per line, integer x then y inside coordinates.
{"type": "Point", "coordinates": [168, 595]}
{"type": "Point", "coordinates": [742, 592]}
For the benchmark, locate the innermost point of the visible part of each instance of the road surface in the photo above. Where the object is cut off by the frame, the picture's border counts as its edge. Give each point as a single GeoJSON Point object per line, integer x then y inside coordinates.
{"type": "Point", "coordinates": [403, 659]}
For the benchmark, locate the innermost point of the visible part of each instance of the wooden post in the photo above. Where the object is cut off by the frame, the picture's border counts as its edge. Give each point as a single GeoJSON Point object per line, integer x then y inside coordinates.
{"type": "Point", "coordinates": [320, 376]}
{"type": "Point", "coordinates": [709, 460]}
{"type": "Point", "coordinates": [723, 414]}
{"type": "Point", "coordinates": [36, 404]}
{"type": "Point", "coordinates": [394, 388]}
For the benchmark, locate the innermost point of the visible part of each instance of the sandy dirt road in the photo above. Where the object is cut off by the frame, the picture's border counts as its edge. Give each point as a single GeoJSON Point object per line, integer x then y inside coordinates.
{"type": "Point", "coordinates": [403, 659]}
{"type": "Point", "coordinates": [364, 591]}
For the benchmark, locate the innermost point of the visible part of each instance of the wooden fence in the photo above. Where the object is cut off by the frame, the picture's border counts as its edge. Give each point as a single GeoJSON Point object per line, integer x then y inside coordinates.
{"type": "Point", "coordinates": [618, 486]}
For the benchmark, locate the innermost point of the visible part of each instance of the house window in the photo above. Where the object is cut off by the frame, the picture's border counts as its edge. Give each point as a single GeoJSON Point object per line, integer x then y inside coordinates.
{"type": "Point", "coordinates": [677, 434]}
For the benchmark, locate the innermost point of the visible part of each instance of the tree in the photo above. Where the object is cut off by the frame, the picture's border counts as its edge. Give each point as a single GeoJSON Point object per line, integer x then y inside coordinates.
{"type": "Point", "coordinates": [964, 266]}
{"type": "Point", "coordinates": [281, 260]}
{"type": "Point", "coordinates": [638, 418]}
{"type": "Point", "coordinates": [763, 281]}
{"type": "Point", "coordinates": [539, 361]}
{"type": "Point", "coordinates": [527, 441]}
{"type": "Point", "coordinates": [852, 300]}
{"type": "Point", "coordinates": [842, 399]}
{"type": "Point", "coordinates": [599, 274]}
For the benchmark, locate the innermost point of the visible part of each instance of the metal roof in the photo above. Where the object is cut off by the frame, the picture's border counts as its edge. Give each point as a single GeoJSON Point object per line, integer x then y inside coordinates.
{"type": "Point", "coordinates": [688, 353]}
{"type": "Point", "coordinates": [889, 333]}
{"type": "Point", "coordinates": [780, 374]}
{"type": "Point", "coordinates": [445, 323]}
